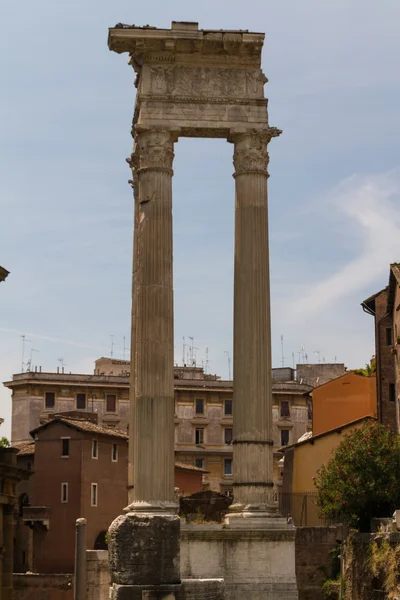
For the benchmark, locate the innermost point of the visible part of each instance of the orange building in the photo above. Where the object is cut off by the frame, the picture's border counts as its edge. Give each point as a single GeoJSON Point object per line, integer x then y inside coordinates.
{"type": "Point", "coordinates": [343, 400]}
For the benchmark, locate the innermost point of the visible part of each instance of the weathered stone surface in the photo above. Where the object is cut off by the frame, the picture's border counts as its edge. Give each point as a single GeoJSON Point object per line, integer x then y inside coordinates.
{"type": "Point", "coordinates": [144, 550]}
{"type": "Point", "coordinates": [190, 589]}
{"type": "Point", "coordinates": [254, 564]}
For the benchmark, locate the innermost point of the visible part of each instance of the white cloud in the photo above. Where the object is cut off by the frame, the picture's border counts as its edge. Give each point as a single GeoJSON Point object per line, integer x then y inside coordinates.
{"type": "Point", "coordinates": [369, 205]}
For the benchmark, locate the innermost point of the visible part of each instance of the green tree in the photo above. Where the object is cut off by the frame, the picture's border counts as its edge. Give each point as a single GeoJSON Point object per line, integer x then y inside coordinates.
{"type": "Point", "coordinates": [4, 443]}
{"type": "Point", "coordinates": [361, 480]}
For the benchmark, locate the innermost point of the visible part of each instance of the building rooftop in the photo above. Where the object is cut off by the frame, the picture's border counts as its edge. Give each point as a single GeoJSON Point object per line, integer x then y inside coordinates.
{"type": "Point", "coordinates": [82, 425]}
{"type": "Point", "coordinates": [311, 439]}
{"type": "Point", "coordinates": [25, 448]}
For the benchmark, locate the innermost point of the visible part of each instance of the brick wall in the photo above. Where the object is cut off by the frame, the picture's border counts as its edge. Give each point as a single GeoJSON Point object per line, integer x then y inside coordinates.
{"type": "Point", "coordinates": [313, 560]}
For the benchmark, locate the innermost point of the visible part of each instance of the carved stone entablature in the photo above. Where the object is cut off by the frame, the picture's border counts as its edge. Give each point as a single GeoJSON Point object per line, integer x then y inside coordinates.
{"type": "Point", "coordinates": [250, 154]}
{"type": "Point", "coordinates": [154, 150]}
{"type": "Point", "coordinates": [186, 40]}
{"type": "Point", "coordinates": [202, 82]}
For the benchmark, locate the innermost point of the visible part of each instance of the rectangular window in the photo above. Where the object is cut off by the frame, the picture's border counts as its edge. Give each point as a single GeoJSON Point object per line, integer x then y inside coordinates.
{"type": "Point", "coordinates": [228, 407]}
{"type": "Point", "coordinates": [199, 406]}
{"type": "Point", "coordinates": [285, 412]}
{"type": "Point", "coordinates": [392, 392]}
{"type": "Point", "coordinates": [64, 447]}
{"type": "Point", "coordinates": [284, 437]}
{"type": "Point", "coordinates": [95, 449]}
{"type": "Point", "coordinates": [64, 493]}
{"type": "Point", "coordinates": [50, 399]}
{"type": "Point", "coordinates": [81, 402]}
{"type": "Point", "coordinates": [199, 462]}
{"type": "Point", "coordinates": [114, 453]}
{"type": "Point", "coordinates": [227, 466]}
{"type": "Point", "coordinates": [389, 336]}
{"type": "Point", "coordinates": [111, 403]}
{"type": "Point", "coordinates": [199, 436]}
{"type": "Point", "coordinates": [228, 435]}
{"type": "Point", "coordinates": [94, 494]}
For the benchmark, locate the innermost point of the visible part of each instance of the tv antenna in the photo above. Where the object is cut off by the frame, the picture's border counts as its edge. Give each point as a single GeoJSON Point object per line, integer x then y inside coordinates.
{"type": "Point", "coordinates": [29, 363]}
{"type": "Point", "coordinates": [192, 353]}
{"type": "Point", "coordinates": [112, 345]}
{"type": "Point", "coordinates": [229, 363]}
{"type": "Point", "coordinates": [123, 347]}
{"type": "Point", "coordinates": [282, 357]}
{"type": "Point", "coordinates": [61, 361]}
{"type": "Point", "coordinates": [318, 353]}
{"type": "Point", "coordinates": [207, 361]}
{"type": "Point", "coordinates": [24, 340]}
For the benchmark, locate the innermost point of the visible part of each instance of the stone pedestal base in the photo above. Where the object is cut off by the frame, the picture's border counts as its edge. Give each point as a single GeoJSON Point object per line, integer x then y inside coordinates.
{"type": "Point", "coordinates": [143, 551]}
{"type": "Point", "coordinates": [256, 562]}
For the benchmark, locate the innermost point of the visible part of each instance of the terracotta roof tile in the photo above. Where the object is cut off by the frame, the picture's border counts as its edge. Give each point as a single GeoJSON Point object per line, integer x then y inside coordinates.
{"type": "Point", "coordinates": [186, 467]}
{"type": "Point", "coordinates": [25, 448]}
{"type": "Point", "coordinates": [86, 426]}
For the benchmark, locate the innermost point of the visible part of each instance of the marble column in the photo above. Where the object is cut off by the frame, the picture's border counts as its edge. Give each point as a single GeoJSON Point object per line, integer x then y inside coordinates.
{"type": "Point", "coordinates": [252, 387]}
{"type": "Point", "coordinates": [151, 431]}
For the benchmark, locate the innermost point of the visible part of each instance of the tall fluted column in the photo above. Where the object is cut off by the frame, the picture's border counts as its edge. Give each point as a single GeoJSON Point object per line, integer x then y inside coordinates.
{"type": "Point", "coordinates": [151, 431]}
{"type": "Point", "coordinates": [252, 385]}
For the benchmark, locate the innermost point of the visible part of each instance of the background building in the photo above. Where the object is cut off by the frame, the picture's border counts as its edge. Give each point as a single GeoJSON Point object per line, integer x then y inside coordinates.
{"type": "Point", "coordinates": [343, 400]}
{"type": "Point", "coordinates": [203, 410]}
{"type": "Point", "coordinates": [384, 306]}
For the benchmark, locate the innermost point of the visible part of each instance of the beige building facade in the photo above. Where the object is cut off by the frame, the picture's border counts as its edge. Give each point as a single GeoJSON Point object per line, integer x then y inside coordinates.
{"type": "Point", "coordinates": [203, 410]}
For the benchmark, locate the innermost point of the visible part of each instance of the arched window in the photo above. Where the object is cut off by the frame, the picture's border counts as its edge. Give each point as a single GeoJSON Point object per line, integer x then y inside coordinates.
{"type": "Point", "coordinates": [101, 541]}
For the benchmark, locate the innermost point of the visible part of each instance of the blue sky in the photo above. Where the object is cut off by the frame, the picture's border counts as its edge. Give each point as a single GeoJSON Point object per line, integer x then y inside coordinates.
{"type": "Point", "coordinates": [66, 207]}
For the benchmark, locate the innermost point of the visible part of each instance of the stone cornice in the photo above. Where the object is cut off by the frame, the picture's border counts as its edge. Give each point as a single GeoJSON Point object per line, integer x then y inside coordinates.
{"type": "Point", "coordinates": [185, 40]}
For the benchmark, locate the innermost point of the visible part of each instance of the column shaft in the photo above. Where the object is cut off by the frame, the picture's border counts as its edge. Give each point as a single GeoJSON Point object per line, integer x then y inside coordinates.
{"type": "Point", "coordinates": [252, 392]}
{"type": "Point", "coordinates": [151, 432]}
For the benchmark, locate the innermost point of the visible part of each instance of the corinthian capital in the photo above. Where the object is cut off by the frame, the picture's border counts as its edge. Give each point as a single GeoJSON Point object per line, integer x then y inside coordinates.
{"type": "Point", "coordinates": [154, 149]}
{"type": "Point", "coordinates": [250, 154]}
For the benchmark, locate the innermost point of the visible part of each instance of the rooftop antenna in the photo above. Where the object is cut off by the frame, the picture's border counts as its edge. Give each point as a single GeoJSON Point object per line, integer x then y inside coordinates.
{"type": "Point", "coordinates": [293, 360]}
{"type": "Point", "coordinates": [229, 363]}
{"type": "Point", "coordinates": [192, 353]}
{"type": "Point", "coordinates": [302, 353]}
{"type": "Point", "coordinates": [282, 358]}
{"type": "Point", "coordinates": [207, 361]}
{"type": "Point", "coordinates": [123, 347]}
{"type": "Point", "coordinates": [318, 353]}
{"type": "Point", "coordinates": [112, 345]}
{"type": "Point", "coordinates": [183, 351]}
{"type": "Point", "coordinates": [24, 340]}
{"type": "Point", "coordinates": [61, 361]}
{"type": "Point", "coordinates": [29, 363]}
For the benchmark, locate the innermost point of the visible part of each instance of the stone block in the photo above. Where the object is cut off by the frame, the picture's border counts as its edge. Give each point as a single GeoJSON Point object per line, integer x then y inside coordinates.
{"type": "Point", "coordinates": [144, 550]}
{"type": "Point", "coordinates": [190, 589]}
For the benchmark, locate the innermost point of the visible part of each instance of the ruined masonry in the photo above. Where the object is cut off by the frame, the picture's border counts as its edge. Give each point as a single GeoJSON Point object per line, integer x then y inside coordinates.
{"type": "Point", "coordinates": [198, 83]}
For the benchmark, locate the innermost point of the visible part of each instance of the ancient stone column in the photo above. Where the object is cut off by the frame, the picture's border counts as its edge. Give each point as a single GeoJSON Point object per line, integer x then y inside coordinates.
{"type": "Point", "coordinates": [144, 542]}
{"type": "Point", "coordinates": [252, 391]}
{"type": "Point", "coordinates": [80, 560]}
{"type": "Point", "coordinates": [151, 433]}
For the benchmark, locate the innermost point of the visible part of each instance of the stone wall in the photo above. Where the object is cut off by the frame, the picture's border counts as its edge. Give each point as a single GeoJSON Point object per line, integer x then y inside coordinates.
{"type": "Point", "coordinates": [313, 560]}
{"type": "Point", "coordinates": [371, 566]}
{"type": "Point", "coordinates": [35, 586]}
{"type": "Point", "coordinates": [98, 575]}
{"type": "Point", "coordinates": [207, 552]}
